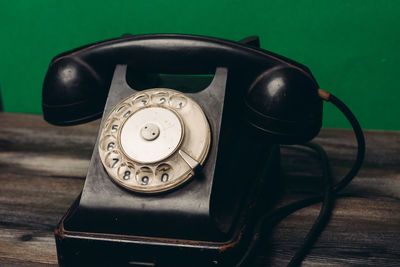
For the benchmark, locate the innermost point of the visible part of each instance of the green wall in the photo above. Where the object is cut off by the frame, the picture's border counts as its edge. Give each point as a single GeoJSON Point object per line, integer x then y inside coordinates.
{"type": "Point", "coordinates": [352, 47]}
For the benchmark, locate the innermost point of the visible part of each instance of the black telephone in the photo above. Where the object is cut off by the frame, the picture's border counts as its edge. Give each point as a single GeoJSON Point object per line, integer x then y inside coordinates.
{"type": "Point", "coordinates": [181, 172]}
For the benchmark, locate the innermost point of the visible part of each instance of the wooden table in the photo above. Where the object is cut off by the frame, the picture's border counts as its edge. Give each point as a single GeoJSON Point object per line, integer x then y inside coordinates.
{"type": "Point", "coordinates": [43, 169]}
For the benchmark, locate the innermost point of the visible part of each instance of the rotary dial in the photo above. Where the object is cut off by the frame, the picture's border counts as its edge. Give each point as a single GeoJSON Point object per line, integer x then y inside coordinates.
{"type": "Point", "coordinates": [153, 140]}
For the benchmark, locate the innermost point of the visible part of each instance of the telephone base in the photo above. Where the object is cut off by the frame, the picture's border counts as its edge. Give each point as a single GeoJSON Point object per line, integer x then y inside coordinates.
{"type": "Point", "coordinates": [85, 248]}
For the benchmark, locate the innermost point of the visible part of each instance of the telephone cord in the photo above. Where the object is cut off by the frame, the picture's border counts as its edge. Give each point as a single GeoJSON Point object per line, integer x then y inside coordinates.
{"type": "Point", "coordinates": [330, 193]}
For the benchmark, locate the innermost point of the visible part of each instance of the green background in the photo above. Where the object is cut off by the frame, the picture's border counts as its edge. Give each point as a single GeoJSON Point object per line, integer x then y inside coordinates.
{"type": "Point", "coordinates": [352, 47]}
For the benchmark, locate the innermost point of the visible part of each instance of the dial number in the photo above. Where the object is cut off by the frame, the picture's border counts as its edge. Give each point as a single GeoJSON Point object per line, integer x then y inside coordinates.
{"type": "Point", "coordinates": [177, 101]}
{"type": "Point", "coordinates": [164, 177]}
{"type": "Point", "coordinates": [114, 128]}
{"type": "Point", "coordinates": [113, 159]}
{"type": "Point", "coordinates": [110, 146]}
{"type": "Point", "coordinates": [127, 175]}
{"type": "Point", "coordinates": [122, 108]}
{"type": "Point", "coordinates": [159, 98]}
{"type": "Point", "coordinates": [164, 172]}
{"type": "Point", "coordinates": [145, 180]}
{"type": "Point", "coordinates": [141, 100]}
{"type": "Point", "coordinates": [126, 171]}
{"type": "Point", "coordinates": [144, 176]}
{"type": "Point", "coordinates": [126, 114]}
{"type": "Point", "coordinates": [108, 143]}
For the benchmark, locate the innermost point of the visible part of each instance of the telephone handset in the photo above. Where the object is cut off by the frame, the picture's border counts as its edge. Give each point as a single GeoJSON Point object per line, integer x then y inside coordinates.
{"type": "Point", "coordinates": [189, 170]}
{"type": "Point", "coordinates": [281, 95]}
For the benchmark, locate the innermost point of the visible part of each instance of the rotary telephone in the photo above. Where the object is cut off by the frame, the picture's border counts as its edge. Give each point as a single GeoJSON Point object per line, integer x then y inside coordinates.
{"type": "Point", "coordinates": [180, 174]}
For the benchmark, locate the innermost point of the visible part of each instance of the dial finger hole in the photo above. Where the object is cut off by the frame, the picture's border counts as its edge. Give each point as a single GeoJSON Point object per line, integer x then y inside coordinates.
{"type": "Point", "coordinates": [159, 98]}
{"type": "Point", "coordinates": [141, 100]}
{"type": "Point", "coordinates": [124, 107]}
{"type": "Point", "coordinates": [113, 126]}
{"type": "Point", "coordinates": [144, 176]}
{"type": "Point", "coordinates": [113, 159]}
{"type": "Point", "coordinates": [126, 171]}
{"type": "Point", "coordinates": [127, 113]}
{"type": "Point", "coordinates": [177, 101]}
{"type": "Point", "coordinates": [108, 143]}
{"type": "Point", "coordinates": [164, 172]}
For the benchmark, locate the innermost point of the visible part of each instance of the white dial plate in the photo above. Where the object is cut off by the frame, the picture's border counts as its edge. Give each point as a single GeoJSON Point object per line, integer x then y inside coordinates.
{"type": "Point", "coordinates": [139, 129]}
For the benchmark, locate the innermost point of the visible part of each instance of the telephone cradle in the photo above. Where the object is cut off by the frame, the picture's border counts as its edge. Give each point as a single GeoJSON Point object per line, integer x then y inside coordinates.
{"type": "Point", "coordinates": [187, 157]}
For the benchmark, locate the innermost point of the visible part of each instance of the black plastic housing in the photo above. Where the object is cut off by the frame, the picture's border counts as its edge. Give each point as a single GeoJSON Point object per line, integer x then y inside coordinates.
{"type": "Point", "coordinates": [206, 222]}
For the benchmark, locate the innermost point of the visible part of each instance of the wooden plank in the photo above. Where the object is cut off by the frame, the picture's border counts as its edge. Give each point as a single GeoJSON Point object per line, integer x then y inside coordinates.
{"type": "Point", "coordinates": [42, 172]}
{"type": "Point", "coordinates": [43, 169]}
{"type": "Point", "coordinates": [27, 247]}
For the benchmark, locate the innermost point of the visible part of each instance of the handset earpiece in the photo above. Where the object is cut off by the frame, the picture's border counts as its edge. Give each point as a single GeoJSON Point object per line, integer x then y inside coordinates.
{"type": "Point", "coordinates": [73, 92]}
{"type": "Point", "coordinates": [284, 103]}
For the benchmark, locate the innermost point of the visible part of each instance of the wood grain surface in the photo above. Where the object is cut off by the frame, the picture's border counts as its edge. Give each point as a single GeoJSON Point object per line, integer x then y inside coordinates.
{"type": "Point", "coordinates": [42, 170]}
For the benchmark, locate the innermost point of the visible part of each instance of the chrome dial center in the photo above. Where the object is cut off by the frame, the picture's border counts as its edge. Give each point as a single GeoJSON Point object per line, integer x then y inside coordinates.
{"type": "Point", "coordinates": [150, 131]}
